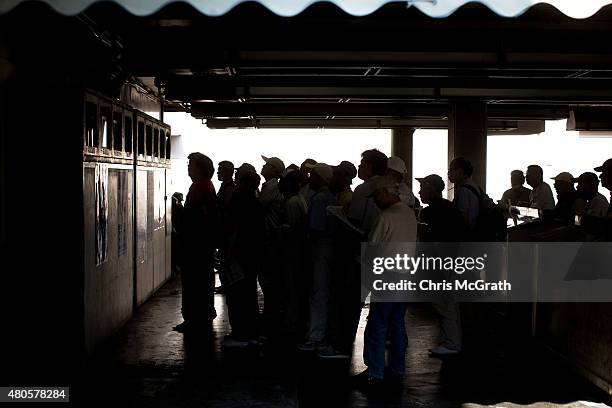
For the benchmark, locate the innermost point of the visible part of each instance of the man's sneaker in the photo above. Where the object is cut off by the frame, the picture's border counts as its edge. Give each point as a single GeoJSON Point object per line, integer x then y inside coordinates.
{"type": "Point", "coordinates": [308, 346]}
{"type": "Point", "coordinates": [330, 353]}
{"type": "Point", "coordinates": [360, 380]}
{"type": "Point", "coordinates": [369, 385]}
{"type": "Point", "coordinates": [393, 379]}
{"type": "Point", "coordinates": [442, 351]}
{"type": "Point", "coordinates": [375, 385]}
{"type": "Point", "coordinates": [181, 328]}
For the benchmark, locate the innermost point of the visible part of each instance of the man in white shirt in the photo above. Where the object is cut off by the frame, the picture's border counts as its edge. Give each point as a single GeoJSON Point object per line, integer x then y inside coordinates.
{"type": "Point", "coordinates": [541, 196]}
{"type": "Point", "coordinates": [396, 223]}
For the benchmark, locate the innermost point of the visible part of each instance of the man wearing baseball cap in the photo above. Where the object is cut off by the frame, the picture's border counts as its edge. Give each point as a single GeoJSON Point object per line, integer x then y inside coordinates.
{"type": "Point", "coordinates": [272, 201]}
{"type": "Point", "coordinates": [568, 203]}
{"type": "Point", "coordinates": [321, 233]}
{"type": "Point", "coordinates": [197, 247]}
{"type": "Point", "coordinates": [606, 179]}
{"type": "Point", "coordinates": [244, 169]}
{"type": "Point", "coordinates": [443, 222]}
{"type": "Point", "coordinates": [396, 223]}
{"type": "Point", "coordinates": [344, 173]}
{"type": "Point", "coordinates": [305, 169]}
{"type": "Point", "coordinates": [396, 170]}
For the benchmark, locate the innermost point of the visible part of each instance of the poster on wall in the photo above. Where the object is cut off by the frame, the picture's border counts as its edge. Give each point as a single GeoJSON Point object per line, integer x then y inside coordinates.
{"type": "Point", "coordinates": [101, 197]}
{"type": "Point", "coordinates": [159, 200]}
{"type": "Point", "coordinates": [122, 219]}
{"type": "Point", "coordinates": [150, 205]}
{"type": "Point", "coordinates": [142, 216]}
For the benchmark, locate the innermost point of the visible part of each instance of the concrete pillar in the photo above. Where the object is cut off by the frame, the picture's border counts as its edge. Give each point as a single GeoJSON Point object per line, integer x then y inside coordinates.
{"type": "Point", "coordinates": [7, 69]}
{"type": "Point", "coordinates": [401, 146]}
{"type": "Point", "coordinates": [467, 137]}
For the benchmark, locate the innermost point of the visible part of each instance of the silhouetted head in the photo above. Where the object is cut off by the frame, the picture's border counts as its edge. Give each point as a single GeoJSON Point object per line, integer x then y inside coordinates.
{"type": "Point", "coordinates": [606, 174]}
{"type": "Point", "coordinates": [225, 171]}
{"type": "Point", "coordinates": [177, 198]}
{"type": "Point", "coordinates": [386, 192]}
{"type": "Point", "coordinates": [321, 175]}
{"type": "Point", "coordinates": [432, 187]}
{"type": "Point", "coordinates": [564, 182]}
{"type": "Point", "coordinates": [396, 168]}
{"type": "Point", "coordinates": [588, 185]}
{"type": "Point", "coordinates": [534, 175]}
{"type": "Point", "coordinates": [459, 170]}
{"type": "Point", "coordinates": [305, 170]}
{"type": "Point", "coordinates": [200, 167]}
{"type": "Point", "coordinates": [517, 178]}
{"type": "Point", "coordinates": [249, 182]}
{"type": "Point", "coordinates": [273, 168]}
{"type": "Point", "coordinates": [289, 183]}
{"type": "Point", "coordinates": [373, 163]}
{"type": "Point", "coordinates": [344, 173]}
{"type": "Point", "coordinates": [244, 167]}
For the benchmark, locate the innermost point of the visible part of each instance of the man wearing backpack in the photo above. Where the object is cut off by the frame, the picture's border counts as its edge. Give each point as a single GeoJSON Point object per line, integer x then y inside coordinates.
{"type": "Point", "coordinates": [466, 198]}
{"type": "Point", "coordinates": [485, 220]}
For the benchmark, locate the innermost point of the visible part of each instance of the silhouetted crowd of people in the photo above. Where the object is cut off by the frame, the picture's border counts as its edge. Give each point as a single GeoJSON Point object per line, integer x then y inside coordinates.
{"type": "Point", "coordinates": [297, 232]}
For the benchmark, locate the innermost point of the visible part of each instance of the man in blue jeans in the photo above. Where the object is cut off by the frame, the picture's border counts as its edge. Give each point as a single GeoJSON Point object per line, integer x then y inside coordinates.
{"type": "Point", "coordinates": [396, 223]}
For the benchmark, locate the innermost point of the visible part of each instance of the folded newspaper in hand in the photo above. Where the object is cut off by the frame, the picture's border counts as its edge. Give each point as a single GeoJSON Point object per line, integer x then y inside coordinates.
{"type": "Point", "coordinates": [336, 211]}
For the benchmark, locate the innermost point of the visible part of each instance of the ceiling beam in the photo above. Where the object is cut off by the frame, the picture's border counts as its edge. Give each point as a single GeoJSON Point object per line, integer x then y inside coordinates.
{"type": "Point", "coordinates": [369, 110]}
{"type": "Point", "coordinates": [569, 90]}
{"type": "Point", "coordinates": [303, 123]}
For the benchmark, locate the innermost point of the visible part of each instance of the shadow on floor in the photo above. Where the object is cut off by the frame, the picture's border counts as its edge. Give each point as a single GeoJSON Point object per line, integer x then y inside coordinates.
{"type": "Point", "coordinates": [148, 365]}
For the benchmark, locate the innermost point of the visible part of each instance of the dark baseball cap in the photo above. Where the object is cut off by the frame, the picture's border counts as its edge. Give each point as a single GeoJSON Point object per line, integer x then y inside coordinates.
{"type": "Point", "coordinates": [433, 180]}
{"type": "Point", "coordinates": [587, 177]}
{"type": "Point", "coordinates": [607, 165]}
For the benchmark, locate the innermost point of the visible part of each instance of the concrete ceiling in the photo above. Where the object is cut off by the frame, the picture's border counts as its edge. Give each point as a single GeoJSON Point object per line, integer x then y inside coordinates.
{"type": "Point", "coordinates": [396, 66]}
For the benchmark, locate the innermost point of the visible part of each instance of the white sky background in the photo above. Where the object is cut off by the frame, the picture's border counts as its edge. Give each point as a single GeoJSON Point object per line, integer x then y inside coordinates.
{"type": "Point", "coordinates": [330, 146]}
{"type": "Point", "coordinates": [555, 150]}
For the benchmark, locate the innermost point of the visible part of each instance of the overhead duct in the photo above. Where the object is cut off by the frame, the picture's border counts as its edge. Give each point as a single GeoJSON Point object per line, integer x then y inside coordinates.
{"type": "Point", "coordinates": [596, 118]}
{"type": "Point", "coordinates": [519, 127]}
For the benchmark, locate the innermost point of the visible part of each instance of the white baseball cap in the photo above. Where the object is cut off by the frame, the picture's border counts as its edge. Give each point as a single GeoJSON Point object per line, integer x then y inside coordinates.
{"type": "Point", "coordinates": [275, 162]}
{"type": "Point", "coordinates": [397, 164]}
{"type": "Point", "coordinates": [324, 170]}
{"type": "Point", "coordinates": [564, 176]}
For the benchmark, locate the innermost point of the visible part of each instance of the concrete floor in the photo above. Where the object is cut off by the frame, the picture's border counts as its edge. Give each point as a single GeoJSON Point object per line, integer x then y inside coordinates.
{"type": "Point", "coordinates": [148, 364]}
